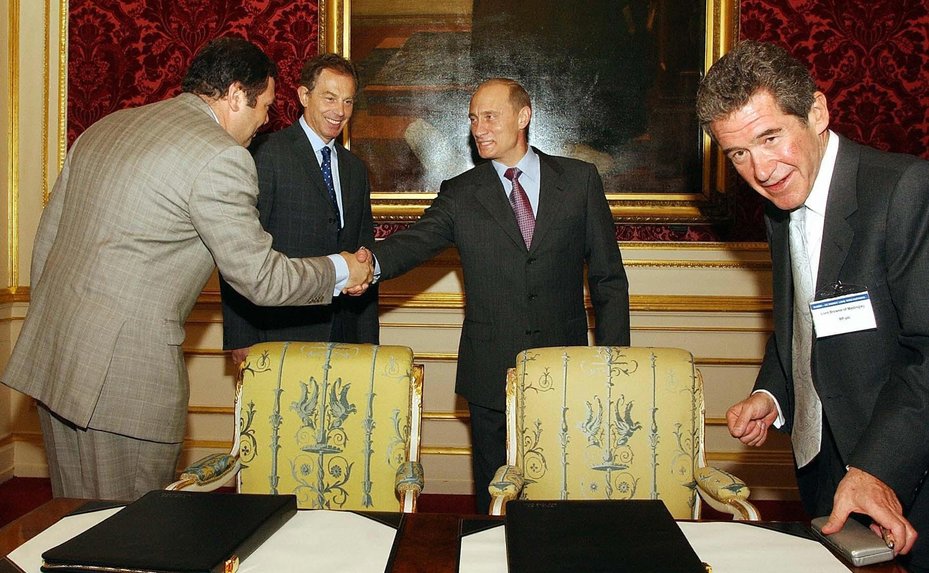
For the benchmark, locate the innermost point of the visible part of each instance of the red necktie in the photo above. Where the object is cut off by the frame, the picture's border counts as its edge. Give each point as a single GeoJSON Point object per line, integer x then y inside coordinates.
{"type": "Point", "coordinates": [521, 206]}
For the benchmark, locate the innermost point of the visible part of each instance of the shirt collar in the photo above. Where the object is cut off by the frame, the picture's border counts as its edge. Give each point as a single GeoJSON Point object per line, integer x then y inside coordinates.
{"type": "Point", "coordinates": [816, 202]}
{"type": "Point", "coordinates": [315, 140]}
{"type": "Point", "coordinates": [529, 165]}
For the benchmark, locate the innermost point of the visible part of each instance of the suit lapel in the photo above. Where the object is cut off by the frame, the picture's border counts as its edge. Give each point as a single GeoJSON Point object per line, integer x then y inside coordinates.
{"type": "Point", "coordinates": [782, 277]}
{"type": "Point", "coordinates": [551, 196]}
{"type": "Point", "coordinates": [490, 193]}
{"type": "Point", "coordinates": [345, 174]}
{"type": "Point", "coordinates": [305, 157]}
{"type": "Point", "coordinates": [842, 203]}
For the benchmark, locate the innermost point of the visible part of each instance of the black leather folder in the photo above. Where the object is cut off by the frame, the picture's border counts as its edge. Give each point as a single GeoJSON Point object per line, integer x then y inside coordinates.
{"type": "Point", "coordinates": [634, 536]}
{"type": "Point", "coordinates": [175, 532]}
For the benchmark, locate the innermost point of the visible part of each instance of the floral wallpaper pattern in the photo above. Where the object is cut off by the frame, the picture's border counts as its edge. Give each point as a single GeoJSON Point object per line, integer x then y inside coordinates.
{"type": "Point", "coordinates": [126, 53]}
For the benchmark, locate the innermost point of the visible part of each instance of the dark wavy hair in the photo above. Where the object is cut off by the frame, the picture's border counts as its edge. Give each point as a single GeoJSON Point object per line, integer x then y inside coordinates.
{"type": "Point", "coordinates": [225, 61]}
{"type": "Point", "coordinates": [328, 61]}
{"type": "Point", "coordinates": [751, 67]}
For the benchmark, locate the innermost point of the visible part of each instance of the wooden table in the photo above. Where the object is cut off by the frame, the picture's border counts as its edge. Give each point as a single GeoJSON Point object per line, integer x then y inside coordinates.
{"type": "Point", "coordinates": [427, 541]}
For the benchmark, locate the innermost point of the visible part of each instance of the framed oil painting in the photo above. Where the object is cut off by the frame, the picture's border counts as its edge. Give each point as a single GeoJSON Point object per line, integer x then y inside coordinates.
{"type": "Point", "coordinates": [612, 82]}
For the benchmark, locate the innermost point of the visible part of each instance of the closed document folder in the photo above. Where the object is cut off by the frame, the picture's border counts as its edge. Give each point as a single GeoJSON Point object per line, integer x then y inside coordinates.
{"type": "Point", "coordinates": [593, 536]}
{"type": "Point", "coordinates": [175, 532]}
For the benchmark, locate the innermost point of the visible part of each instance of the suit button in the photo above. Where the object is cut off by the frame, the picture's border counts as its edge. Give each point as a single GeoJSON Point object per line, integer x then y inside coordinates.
{"type": "Point", "coordinates": [528, 332]}
{"type": "Point", "coordinates": [532, 297]}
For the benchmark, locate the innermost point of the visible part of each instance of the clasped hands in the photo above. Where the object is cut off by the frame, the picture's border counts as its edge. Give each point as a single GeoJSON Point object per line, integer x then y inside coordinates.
{"type": "Point", "coordinates": [360, 271]}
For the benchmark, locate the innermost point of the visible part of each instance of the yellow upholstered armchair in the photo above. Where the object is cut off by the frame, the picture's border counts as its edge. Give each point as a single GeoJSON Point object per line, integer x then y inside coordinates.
{"type": "Point", "coordinates": [338, 425]}
{"type": "Point", "coordinates": [611, 422]}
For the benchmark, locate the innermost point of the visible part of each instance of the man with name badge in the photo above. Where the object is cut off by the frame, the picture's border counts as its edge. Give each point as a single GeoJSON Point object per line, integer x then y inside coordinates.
{"type": "Point", "coordinates": [846, 371]}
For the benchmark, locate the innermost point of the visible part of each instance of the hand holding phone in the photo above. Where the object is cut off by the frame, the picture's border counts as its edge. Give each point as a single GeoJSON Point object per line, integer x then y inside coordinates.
{"type": "Point", "coordinates": [855, 542]}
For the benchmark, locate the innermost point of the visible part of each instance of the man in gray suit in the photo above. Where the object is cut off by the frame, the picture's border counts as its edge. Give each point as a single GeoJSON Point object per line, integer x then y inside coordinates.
{"type": "Point", "coordinates": [846, 371]}
{"type": "Point", "coordinates": [149, 199]}
{"type": "Point", "coordinates": [523, 270]}
{"type": "Point", "coordinates": [304, 219]}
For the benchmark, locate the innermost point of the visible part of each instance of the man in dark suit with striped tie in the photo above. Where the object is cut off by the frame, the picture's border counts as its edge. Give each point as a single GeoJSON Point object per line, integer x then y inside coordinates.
{"type": "Point", "coordinates": [525, 224]}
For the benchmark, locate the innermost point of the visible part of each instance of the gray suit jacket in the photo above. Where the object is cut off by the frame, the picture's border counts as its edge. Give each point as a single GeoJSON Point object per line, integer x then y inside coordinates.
{"type": "Point", "coordinates": [148, 200]}
{"type": "Point", "coordinates": [874, 384]}
{"type": "Point", "coordinates": [518, 299]}
{"type": "Point", "coordinates": [294, 206]}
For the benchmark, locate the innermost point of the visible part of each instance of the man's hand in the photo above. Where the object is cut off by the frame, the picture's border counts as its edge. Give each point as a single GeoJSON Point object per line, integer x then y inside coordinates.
{"type": "Point", "coordinates": [750, 419]}
{"type": "Point", "coordinates": [238, 355]}
{"type": "Point", "coordinates": [360, 271]}
{"type": "Point", "coordinates": [861, 492]}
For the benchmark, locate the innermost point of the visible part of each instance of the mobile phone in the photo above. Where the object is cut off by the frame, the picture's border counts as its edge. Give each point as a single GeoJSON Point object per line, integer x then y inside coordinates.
{"type": "Point", "coordinates": [855, 542]}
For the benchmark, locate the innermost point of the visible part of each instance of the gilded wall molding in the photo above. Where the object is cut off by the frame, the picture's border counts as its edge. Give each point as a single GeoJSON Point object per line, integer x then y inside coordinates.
{"type": "Point", "coordinates": [428, 300]}
{"type": "Point", "coordinates": [693, 264]}
{"type": "Point", "coordinates": [754, 457]}
{"type": "Point", "coordinates": [46, 77]}
{"type": "Point", "coordinates": [725, 361]}
{"type": "Point", "coordinates": [14, 294]}
{"type": "Point", "coordinates": [13, 147]}
{"type": "Point", "coordinates": [702, 329]}
{"type": "Point", "coordinates": [62, 82]}
{"type": "Point", "coordinates": [693, 246]}
{"type": "Point", "coordinates": [694, 303]}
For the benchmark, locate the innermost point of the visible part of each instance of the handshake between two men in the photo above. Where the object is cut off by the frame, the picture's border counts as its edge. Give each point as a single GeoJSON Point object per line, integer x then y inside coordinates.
{"type": "Point", "coordinates": [360, 271]}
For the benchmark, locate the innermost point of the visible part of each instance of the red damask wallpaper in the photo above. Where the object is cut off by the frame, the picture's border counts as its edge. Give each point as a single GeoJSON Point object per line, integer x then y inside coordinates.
{"type": "Point", "coordinates": [125, 53]}
{"type": "Point", "coordinates": [871, 58]}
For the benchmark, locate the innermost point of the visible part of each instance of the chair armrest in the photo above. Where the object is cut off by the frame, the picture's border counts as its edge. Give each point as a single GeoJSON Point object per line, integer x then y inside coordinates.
{"type": "Point", "coordinates": [725, 492]}
{"type": "Point", "coordinates": [207, 474]}
{"type": "Point", "coordinates": [409, 482]}
{"type": "Point", "coordinates": [506, 485]}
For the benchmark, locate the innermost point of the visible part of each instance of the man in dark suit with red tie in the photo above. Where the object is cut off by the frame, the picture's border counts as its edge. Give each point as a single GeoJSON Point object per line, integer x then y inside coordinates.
{"type": "Point", "coordinates": [855, 394]}
{"type": "Point", "coordinates": [524, 284]}
{"type": "Point", "coordinates": [314, 197]}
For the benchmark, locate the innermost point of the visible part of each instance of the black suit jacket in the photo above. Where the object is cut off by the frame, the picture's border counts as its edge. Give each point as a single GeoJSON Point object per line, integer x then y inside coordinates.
{"type": "Point", "coordinates": [294, 207]}
{"type": "Point", "coordinates": [518, 299]}
{"type": "Point", "coordinates": [874, 384]}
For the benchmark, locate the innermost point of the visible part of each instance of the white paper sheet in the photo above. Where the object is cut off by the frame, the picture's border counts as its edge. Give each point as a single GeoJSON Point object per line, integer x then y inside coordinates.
{"type": "Point", "coordinates": [728, 547]}
{"type": "Point", "coordinates": [324, 542]}
{"type": "Point", "coordinates": [28, 556]}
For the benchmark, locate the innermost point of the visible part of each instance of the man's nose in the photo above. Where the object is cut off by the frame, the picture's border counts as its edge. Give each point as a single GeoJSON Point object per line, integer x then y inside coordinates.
{"type": "Point", "coordinates": [763, 165]}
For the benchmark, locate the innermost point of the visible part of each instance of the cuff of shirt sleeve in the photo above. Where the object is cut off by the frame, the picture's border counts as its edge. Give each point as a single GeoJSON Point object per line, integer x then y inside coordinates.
{"type": "Point", "coordinates": [341, 273]}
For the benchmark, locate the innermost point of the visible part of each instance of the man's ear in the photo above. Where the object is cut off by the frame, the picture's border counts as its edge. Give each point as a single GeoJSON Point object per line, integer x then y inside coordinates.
{"type": "Point", "coordinates": [523, 117]}
{"type": "Point", "coordinates": [303, 94]}
{"type": "Point", "coordinates": [235, 96]}
{"type": "Point", "coordinates": [819, 113]}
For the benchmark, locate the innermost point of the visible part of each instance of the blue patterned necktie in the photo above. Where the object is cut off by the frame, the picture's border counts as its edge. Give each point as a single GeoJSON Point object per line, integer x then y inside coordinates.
{"type": "Point", "coordinates": [806, 434]}
{"type": "Point", "coordinates": [521, 206]}
{"type": "Point", "coordinates": [327, 177]}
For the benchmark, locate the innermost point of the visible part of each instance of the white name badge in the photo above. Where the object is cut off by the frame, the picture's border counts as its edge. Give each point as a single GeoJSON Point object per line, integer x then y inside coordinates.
{"type": "Point", "coordinates": [843, 314]}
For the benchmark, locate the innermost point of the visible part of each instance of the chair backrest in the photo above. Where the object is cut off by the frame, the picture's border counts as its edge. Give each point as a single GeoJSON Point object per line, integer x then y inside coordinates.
{"type": "Point", "coordinates": [328, 422]}
{"type": "Point", "coordinates": [607, 422]}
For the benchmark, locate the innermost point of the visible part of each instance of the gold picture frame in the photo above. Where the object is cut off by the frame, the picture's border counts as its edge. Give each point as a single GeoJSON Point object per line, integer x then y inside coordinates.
{"type": "Point", "coordinates": [702, 196]}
